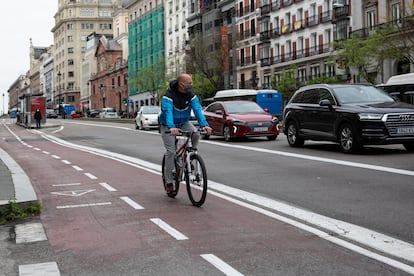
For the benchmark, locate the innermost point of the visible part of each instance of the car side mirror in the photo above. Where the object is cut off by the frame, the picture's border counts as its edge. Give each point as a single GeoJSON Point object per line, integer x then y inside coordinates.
{"type": "Point", "coordinates": [325, 102]}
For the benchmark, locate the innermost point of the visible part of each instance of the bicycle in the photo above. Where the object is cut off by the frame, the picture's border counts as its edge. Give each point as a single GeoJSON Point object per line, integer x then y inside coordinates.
{"type": "Point", "coordinates": [189, 166]}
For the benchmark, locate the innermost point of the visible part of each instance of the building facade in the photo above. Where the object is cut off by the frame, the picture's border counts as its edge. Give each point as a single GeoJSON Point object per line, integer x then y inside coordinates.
{"type": "Point", "coordinates": [74, 21]}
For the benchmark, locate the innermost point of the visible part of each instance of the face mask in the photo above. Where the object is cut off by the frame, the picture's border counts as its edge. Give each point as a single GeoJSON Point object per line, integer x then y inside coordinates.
{"type": "Point", "coordinates": [188, 89]}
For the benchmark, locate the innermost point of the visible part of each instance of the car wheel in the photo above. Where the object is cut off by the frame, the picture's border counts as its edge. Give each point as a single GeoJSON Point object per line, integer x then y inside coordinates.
{"type": "Point", "coordinates": [292, 135]}
{"type": "Point", "coordinates": [347, 139]}
{"type": "Point", "coordinates": [226, 133]}
{"type": "Point", "coordinates": [409, 146]}
{"type": "Point", "coordinates": [272, 138]}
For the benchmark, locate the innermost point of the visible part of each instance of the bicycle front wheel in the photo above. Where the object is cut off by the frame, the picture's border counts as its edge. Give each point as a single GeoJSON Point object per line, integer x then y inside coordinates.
{"type": "Point", "coordinates": [196, 180]}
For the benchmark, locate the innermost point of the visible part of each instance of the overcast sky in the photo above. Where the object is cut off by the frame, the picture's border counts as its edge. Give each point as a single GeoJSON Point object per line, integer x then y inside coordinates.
{"type": "Point", "coordinates": [20, 21]}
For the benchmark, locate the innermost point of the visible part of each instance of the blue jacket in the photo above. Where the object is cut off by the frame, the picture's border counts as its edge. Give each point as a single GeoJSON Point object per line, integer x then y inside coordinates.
{"type": "Point", "coordinates": [176, 108]}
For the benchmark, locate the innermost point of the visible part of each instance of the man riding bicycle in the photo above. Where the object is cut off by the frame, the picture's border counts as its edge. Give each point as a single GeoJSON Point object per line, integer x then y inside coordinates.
{"type": "Point", "coordinates": [176, 106]}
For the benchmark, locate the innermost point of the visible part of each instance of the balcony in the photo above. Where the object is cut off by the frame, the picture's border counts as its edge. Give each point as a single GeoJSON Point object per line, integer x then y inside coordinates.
{"type": "Point", "coordinates": [340, 13]}
{"type": "Point", "coordinates": [326, 16]}
{"type": "Point", "coordinates": [311, 21]}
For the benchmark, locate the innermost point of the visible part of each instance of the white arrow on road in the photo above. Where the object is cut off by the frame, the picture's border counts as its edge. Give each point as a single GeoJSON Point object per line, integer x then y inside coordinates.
{"type": "Point", "coordinates": [73, 193]}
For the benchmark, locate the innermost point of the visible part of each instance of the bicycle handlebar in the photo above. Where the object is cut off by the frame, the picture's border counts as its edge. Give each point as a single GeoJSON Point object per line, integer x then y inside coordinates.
{"type": "Point", "coordinates": [182, 132]}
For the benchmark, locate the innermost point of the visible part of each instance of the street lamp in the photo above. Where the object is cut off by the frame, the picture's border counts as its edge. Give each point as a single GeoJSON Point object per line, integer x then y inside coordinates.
{"type": "Point", "coordinates": [3, 104]}
{"type": "Point", "coordinates": [60, 101]}
{"type": "Point", "coordinates": [17, 104]}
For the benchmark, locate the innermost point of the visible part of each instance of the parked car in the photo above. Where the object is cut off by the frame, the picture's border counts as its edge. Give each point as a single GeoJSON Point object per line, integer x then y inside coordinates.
{"type": "Point", "coordinates": [234, 119]}
{"type": "Point", "coordinates": [351, 115]}
{"type": "Point", "coordinates": [76, 114]}
{"type": "Point", "coordinates": [94, 113]}
{"type": "Point", "coordinates": [50, 113]}
{"type": "Point", "coordinates": [147, 117]}
{"type": "Point", "coordinates": [108, 112]}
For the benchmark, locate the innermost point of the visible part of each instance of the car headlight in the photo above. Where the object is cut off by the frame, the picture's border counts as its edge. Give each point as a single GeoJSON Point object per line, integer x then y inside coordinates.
{"type": "Point", "coordinates": [237, 121]}
{"type": "Point", "coordinates": [370, 116]}
{"type": "Point", "coordinates": [275, 120]}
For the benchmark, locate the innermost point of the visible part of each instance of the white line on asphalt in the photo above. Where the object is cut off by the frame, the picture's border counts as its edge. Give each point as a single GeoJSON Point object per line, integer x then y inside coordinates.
{"type": "Point", "coordinates": [220, 265]}
{"type": "Point", "coordinates": [61, 128]}
{"type": "Point", "coordinates": [389, 242]}
{"type": "Point", "coordinates": [67, 184]}
{"type": "Point", "coordinates": [36, 149]}
{"type": "Point", "coordinates": [91, 176]}
{"type": "Point", "coordinates": [131, 203]}
{"type": "Point", "coordinates": [170, 230]}
{"type": "Point", "coordinates": [55, 156]}
{"type": "Point", "coordinates": [40, 269]}
{"type": "Point", "coordinates": [396, 250]}
{"type": "Point", "coordinates": [45, 152]}
{"type": "Point", "coordinates": [315, 158]}
{"type": "Point", "coordinates": [79, 169]}
{"type": "Point", "coordinates": [108, 187]}
{"type": "Point", "coordinates": [66, 162]}
{"type": "Point", "coordinates": [83, 205]}
{"type": "Point", "coordinates": [29, 146]}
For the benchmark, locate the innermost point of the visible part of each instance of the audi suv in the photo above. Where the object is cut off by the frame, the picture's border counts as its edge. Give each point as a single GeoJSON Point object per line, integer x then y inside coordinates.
{"type": "Point", "coordinates": [351, 115]}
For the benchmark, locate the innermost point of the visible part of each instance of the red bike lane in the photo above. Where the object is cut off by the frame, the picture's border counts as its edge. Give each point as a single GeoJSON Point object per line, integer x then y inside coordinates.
{"type": "Point", "coordinates": [105, 217]}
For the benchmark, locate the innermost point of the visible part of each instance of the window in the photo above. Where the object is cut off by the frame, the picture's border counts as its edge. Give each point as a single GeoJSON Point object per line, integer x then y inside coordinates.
{"type": "Point", "coordinates": [70, 38]}
{"type": "Point", "coordinates": [70, 50]}
{"type": "Point", "coordinates": [70, 62]}
{"type": "Point", "coordinates": [86, 26]}
{"type": "Point", "coordinates": [371, 21]}
{"type": "Point", "coordinates": [71, 74]}
{"type": "Point", "coordinates": [86, 12]}
{"type": "Point", "coordinates": [69, 26]}
{"type": "Point", "coordinates": [396, 12]}
{"type": "Point", "coordinates": [106, 26]}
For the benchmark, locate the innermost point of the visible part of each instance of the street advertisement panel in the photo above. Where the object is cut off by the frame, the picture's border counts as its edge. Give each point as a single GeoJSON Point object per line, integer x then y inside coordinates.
{"type": "Point", "coordinates": [38, 103]}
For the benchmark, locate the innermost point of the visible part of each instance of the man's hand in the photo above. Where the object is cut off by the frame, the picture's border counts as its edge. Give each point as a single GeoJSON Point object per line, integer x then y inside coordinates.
{"type": "Point", "coordinates": [207, 129]}
{"type": "Point", "coordinates": [175, 131]}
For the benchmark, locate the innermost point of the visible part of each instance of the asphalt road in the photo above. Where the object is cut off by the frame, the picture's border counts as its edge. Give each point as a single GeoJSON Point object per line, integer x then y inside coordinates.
{"type": "Point", "coordinates": [268, 212]}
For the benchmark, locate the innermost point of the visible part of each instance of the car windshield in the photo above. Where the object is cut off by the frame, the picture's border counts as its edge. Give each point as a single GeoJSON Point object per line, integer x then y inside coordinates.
{"type": "Point", "coordinates": [361, 94]}
{"type": "Point", "coordinates": [242, 107]}
{"type": "Point", "coordinates": [151, 109]}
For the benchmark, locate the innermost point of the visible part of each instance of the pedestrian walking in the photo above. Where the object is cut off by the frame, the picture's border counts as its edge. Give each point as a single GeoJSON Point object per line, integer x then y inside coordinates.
{"type": "Point", "coordinates": [38, 117]}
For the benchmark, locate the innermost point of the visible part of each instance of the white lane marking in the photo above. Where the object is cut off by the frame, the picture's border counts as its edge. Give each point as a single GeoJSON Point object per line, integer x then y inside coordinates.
{"type": "Point", "coordinates": [59, 129]}
{"type": "Point", "coordinates": [170, 230]}
{"type": "Point", "coordinates": [73, 193]}
{"type": "Point", "coordinates": [55, 156]}
{"type": "Point", "coordinates": [220, 265]}
{"type": "Point", "coordinates": [328, 236]}
{"type": "Point", "coordinates": [30, 232]}
{"type": "Point", "coordinates": [29, 146]}
{"type": "Point", "coordinates": [131, 203]}
{"type": "Point", "coordinates": [36, 149]}
{"type": "Point", "coordinates": [83, 205]}
{"type": "Point", "coordinates": [320, 159]}
{"type": "Point", "coordinates": [66, 184]}
{"type": "Point", "coordinates": [45, 152]}
{"type": "Point", "coordinates": [66, 162]}
{"type": "Point", "coordinates": [40, 269]}
{"type": "Point", "coordinates": [108, 187]}
{"type": "Point", "coordinates": [155, 168]}
{"type": "Point", "coordinates": [91, 176]}
{"type": "Point", "coordinates": [79, 169]}
{"type": "Point", "coordinates": [347, 230]}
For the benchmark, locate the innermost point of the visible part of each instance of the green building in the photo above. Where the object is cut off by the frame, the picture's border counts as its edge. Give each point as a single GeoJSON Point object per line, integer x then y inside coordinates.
{"type": "Point", "coordinates": [146, 52]}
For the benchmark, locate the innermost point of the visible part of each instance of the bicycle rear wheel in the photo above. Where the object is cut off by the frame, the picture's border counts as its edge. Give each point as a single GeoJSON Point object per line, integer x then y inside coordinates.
{"type": "Point", "coordinates": [176, 180]}
{"type": "Point", "coordinates": [196, 180]}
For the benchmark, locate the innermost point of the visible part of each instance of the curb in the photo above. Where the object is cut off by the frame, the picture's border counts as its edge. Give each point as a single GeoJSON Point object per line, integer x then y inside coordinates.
{"type": "Point", "coordinates": [23, 188]}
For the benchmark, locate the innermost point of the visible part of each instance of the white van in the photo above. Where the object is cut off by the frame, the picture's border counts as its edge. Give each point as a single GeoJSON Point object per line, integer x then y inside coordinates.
{"type": "Point", "coordinates": [108, 112]}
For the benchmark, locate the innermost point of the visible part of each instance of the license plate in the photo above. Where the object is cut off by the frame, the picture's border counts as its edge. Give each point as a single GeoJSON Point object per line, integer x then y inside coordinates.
{"type": "Point", "coordinates": [260, 129]}
{"type": "Point", "coordinates": [405, 130]}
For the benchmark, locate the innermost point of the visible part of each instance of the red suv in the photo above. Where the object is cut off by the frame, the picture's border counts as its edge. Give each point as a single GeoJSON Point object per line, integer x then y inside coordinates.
{"type": "Point", "coordinates": [234, 119]}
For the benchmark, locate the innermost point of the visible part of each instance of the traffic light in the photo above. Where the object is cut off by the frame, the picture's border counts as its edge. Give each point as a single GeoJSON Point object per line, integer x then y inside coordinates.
{"type": "Point", "coordinates": [62, 101]}
{"type": "Point", "coordinates": [124, 101]}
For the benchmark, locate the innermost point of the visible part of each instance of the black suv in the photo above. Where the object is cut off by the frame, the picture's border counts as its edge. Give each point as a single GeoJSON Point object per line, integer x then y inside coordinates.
{"type": "Point", "coordinates": [351, 115]}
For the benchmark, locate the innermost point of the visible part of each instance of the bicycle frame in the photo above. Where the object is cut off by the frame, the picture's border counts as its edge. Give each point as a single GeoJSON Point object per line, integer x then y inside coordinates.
{"type": "Point", "coordinates": [183, 153]}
